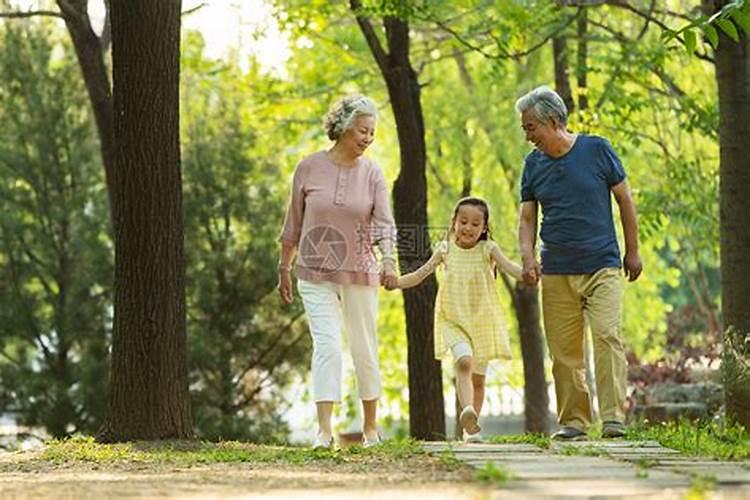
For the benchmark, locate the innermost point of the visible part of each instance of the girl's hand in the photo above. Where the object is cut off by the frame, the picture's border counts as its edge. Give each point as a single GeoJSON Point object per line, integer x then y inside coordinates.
{"type": "Point", "coordinates": [285, 286]}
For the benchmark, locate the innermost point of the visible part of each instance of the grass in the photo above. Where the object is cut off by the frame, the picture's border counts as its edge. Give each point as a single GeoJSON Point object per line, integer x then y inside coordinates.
{"type": "Point", "coordinates": [86, 449]}
{"type": "Point", "coordinates": [536, 439]}
{"type": "Point", "coordinates": [581, 451]}
{"type": "Point", "coordinates": [490, 472]}
{"type": "Point", "coordinates": [449, 459]}
{"type": "Point", "coordinates": [707, 439]}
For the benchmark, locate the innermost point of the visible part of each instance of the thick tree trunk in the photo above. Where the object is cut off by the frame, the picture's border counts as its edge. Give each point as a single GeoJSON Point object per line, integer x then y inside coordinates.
{"type": "Point", "coordinates": [733, 79]}
{"type": "Point", "coordinates": [149, 387]}
{"type": "Point", "coordinates": [426, 403]}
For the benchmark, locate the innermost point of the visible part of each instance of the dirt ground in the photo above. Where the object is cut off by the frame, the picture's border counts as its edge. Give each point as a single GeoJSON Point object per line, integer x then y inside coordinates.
{"type": "Point", "coordinates": [23, 475]}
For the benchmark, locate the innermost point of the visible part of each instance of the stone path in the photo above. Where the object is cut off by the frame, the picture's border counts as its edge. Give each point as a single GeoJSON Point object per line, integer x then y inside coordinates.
{"type": "Point", "coordinates": [603, 469]}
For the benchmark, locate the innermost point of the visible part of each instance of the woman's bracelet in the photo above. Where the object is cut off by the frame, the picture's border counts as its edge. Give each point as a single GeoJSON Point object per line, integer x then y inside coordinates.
{"type": "Point", "coordinates": [283, 268]}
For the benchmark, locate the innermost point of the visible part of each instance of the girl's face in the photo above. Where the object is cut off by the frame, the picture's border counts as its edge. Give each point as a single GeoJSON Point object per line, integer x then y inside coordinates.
{"type": "Point", "coordinates": [468, 225]}
{"type": "Point", "coordinates": [358, 137]}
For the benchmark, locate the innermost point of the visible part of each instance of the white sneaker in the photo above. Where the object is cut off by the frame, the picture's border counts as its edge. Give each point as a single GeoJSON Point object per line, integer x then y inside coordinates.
{"type": "Point", "coordinates": [469, 420]}
{"type": "Point", "coordinates": [367, 443]}
{"type": "Point", "coordinates": [472, 438]}
{"type": "Point", "coordinates": [323, 443]}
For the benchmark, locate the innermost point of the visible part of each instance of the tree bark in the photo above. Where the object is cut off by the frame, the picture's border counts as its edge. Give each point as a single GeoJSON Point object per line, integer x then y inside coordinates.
{"type": "Point", "coordinates": [90, 55]}
{"type": "Point", "coordinates": [582, 60]}
{"type": "Point", "coordinates": [426, 403]}
{"type": "Point", "coordinates": [149, 385]}
{"type": "Point", "coordinates": [733, 79]}
{"type": "Point", "coordinates": [562, 72]}
{"type": "Point", "coordinates": [525, 301]}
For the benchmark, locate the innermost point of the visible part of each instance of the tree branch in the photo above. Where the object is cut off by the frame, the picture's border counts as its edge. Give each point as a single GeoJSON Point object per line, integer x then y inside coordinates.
{"type": "Point", "coordinates": [371, 37]}
{"type": "Point", "coordinates": [503, 54]}
{"type": "Point", "coordinates": [31, 13]}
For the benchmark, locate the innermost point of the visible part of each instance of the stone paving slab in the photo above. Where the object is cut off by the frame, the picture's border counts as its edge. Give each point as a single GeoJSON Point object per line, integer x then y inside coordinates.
{"type": "Point", "coordinates": [553, 467]}
{"type": "Point", "coordinates": [609, 489]}
{"type": "Point", "coordinates": [625, 469]}
{"type": "Point", "coordinates": [460, 447]}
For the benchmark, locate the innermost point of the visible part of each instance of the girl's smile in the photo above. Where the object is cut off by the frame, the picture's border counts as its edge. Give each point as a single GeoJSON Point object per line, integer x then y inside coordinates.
{"type": "Point", "coordinates": [468, 225]}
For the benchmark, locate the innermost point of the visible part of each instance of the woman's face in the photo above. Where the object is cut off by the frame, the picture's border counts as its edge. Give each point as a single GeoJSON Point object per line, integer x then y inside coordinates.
{"type": "Point", "coordinates": [358, 137]}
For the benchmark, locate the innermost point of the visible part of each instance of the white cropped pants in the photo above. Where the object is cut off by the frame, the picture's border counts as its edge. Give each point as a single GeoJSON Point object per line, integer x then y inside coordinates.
{"type": "Point", "coordinates": [331, 308]}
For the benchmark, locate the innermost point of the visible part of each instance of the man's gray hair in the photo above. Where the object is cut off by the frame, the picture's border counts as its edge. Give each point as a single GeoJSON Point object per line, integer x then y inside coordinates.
{"type": "Point", "coordinates": [343, 112]}
{"type": "Point", "coordinates": [546, 105]}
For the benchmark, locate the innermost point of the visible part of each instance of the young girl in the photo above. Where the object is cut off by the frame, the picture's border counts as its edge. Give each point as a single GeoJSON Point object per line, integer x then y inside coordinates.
{"type": "Point", "coordinates": [468, 320]}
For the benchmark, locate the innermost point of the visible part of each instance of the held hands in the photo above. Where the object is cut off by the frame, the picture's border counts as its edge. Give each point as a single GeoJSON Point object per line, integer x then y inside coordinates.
{"type": "Point", "coordinates": [632, 266]}
{"type": "Point", "coordinates": [389, 279]}
{"type": "Point", "coordinates": [531, 271]}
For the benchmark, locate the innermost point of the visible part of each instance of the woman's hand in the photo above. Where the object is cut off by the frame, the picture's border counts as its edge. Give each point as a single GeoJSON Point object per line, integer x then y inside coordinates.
{"type": "Point", "coordinates": [389, 280]}
{"type": "Point", "coordinates": [285, 286]}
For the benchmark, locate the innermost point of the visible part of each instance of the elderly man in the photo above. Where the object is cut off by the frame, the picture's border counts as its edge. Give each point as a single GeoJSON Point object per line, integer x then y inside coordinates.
{"type": "Point", "coordinates": [571, 176]}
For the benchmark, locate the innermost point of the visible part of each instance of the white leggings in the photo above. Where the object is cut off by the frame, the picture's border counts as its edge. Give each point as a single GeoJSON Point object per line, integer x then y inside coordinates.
{"type": "Point", "coordinates": [331, 308]}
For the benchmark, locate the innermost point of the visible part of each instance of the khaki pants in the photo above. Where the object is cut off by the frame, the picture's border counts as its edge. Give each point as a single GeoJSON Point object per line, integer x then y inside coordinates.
{"type": "Point", "coordinates": [570, 302]}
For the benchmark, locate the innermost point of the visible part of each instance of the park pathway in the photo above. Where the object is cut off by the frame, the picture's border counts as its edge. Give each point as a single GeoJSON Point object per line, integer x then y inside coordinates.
{"type": "Point", "coordinates": [602, 469]}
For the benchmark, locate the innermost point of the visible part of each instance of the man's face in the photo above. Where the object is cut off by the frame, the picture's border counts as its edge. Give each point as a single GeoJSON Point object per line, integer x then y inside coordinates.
{"type": "Point", "coordinates": [538, 133]}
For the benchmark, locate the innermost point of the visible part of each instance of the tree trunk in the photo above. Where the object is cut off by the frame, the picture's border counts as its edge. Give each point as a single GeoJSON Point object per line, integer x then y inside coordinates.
{"type": "Point", "coordinates": [426, 403]}
{"type": "Point", "coordinates": [149, 386]}
{"type": "Point", "coordinates": [536, 398]}
{"type": "Point", "coordinates": [582, 60]}
{"type": "Point", "coordinates": [426, 406]}
{"type": "Point", "coordinates": [733, 79]}
{"type": "Point", "coordinates": [90, 57]}
{"type": "Point", "coordinates": [562, 72]}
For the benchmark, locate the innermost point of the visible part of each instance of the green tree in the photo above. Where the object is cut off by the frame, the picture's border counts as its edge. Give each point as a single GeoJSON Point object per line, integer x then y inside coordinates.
{"type": "Point", "coordinates": [149, 396]}
{"type": "Point", "coordinates": [55, 263]}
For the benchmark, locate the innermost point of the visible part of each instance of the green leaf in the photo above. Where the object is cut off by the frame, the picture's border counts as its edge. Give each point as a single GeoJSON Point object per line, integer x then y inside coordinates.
{"type": "Point", "coordinates": [668, 35]}
{"type": "Point", "coordinates": [742, 20]}
{"type": "Point", "coordinates": [712, 35]}
{"type": "Point", "coordinates": [690, 41]}
{"type": "Point", "coordinates": [729, 28]}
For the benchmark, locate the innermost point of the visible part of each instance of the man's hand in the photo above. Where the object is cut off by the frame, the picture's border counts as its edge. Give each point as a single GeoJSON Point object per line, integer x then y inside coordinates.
{"type": "Point", "coordinates": [632, 266]}
{"type": "Point", "coordinates": [531, 271]}
{"type": "Point", "coordinates": [285, 286]}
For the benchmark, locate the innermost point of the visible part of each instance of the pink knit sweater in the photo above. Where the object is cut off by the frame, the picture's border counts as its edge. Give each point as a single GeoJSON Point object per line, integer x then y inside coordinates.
{"type": "Point", "coordinates": [336, 214]}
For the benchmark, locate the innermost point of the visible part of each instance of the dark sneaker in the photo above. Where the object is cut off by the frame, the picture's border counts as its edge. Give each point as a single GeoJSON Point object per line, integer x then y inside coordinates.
{"type": "Point", "coordinates": [568, 433]}
{"type": "Point", "coordinates": [613, 429]}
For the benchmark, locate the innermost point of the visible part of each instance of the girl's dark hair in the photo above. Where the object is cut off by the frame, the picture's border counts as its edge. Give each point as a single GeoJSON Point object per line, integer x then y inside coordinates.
{"type": "Point", "coordinates": [475, 202]}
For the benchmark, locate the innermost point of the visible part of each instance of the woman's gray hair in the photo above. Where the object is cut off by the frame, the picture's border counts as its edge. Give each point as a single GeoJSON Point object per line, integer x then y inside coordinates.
{"type": "Point", "coordinates": [546, 105]}
{"type": "Point", "coordinates": [343, 112]}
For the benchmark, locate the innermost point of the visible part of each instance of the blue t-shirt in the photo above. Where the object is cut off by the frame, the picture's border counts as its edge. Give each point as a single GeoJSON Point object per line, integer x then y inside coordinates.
{"type": "Point", "coordinates": [578, 234]}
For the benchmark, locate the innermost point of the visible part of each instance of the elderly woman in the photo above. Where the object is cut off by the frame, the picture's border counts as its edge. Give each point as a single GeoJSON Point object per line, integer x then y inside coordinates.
{"type": "Point", "coordinates": [337, 212]}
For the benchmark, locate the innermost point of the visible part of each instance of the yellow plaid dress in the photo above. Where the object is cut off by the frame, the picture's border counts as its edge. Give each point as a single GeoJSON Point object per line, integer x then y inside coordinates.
{"type": "Point", "coordinates": [467, 308]}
